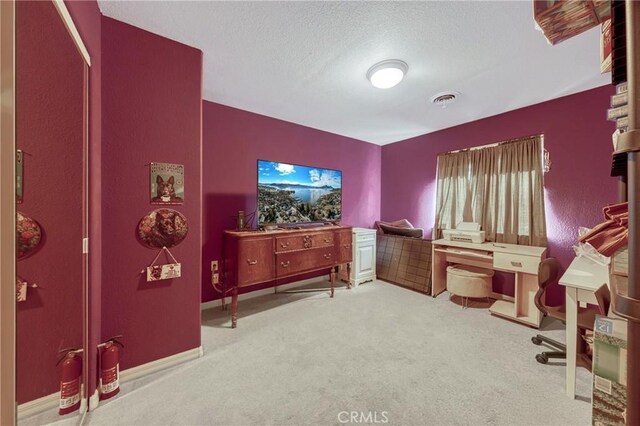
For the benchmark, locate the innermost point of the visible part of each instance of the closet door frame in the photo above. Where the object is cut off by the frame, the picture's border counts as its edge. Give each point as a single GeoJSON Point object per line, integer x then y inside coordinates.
{"type": "Point", "coordinates": [7, 215]}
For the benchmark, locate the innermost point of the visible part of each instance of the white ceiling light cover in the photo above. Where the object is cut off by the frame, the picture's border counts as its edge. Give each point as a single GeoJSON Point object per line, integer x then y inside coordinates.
{"type": "Point", "coordinates": [387, 74]}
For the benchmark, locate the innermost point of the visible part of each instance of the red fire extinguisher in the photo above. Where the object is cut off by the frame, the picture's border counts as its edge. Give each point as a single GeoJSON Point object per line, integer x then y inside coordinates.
{"type": "Point", "coordinates": [110, 367]}
{"type": "Point", "coordinates": [70, 381]}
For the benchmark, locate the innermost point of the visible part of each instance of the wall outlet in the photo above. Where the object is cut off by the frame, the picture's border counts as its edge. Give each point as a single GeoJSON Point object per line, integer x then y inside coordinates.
{"type": "Point", "coordinates": [215, 278]}
{"type": "Point", "coordinates": [214, 266]}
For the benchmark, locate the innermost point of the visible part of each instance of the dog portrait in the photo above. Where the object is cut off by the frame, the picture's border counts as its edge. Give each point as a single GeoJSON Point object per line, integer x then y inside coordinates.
{"type": "Point", "coordinates": [162, 228]}
{"type": "Point", "coordinates": [167, 183]}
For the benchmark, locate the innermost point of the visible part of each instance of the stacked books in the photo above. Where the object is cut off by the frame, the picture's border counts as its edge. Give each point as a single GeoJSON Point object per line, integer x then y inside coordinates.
{"type": "Point", "coordinates": [609, 398]}
{"type": "Point", "coordinates": [619, 110]}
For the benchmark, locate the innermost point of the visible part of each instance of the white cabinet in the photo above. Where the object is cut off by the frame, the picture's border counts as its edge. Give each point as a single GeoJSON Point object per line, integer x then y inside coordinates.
{"type": "Point", "coordinates": [363, 267]}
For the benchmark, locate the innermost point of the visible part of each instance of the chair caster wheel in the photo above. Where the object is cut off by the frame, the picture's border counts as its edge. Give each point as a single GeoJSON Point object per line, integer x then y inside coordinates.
{"type": "Point", "coordinates": [536, 340]}
{"type": "Point", "coordinates": [542, 358]}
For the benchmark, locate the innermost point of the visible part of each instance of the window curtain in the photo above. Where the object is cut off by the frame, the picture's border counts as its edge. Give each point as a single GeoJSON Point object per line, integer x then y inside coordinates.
{"type": "Point", "coordinates": [500, 187]}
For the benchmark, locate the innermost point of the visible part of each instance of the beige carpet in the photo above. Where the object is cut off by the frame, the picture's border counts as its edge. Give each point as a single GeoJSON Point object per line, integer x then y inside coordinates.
{"type": "Point", "coordinates": [380, 351]}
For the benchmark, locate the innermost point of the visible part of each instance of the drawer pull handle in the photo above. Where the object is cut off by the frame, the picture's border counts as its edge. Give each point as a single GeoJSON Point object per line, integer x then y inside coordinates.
{"type": "Point", "coordinates": [284, 264]}
{"type": "Point", "coordinates": [327, 256]}
{"type": "Point", "coordinates": [252, 262]}
{"type": "Point", "coordinates": [347, 245]}
{"type": "Point", "coordinates": [284, 245]}
{"type": "Point", "coordinates": [327, 240]}
{"type": "Point", "coordinates": [516, 264]}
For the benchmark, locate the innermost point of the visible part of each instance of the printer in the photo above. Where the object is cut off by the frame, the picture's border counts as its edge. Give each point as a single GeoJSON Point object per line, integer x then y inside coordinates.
{"type": "Point", "coordinates": [467, 232]}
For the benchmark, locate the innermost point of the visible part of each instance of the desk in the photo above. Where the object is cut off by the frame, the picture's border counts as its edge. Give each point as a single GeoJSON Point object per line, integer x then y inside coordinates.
{"type": "Point", "coordinates": [521, 260]}
{"type": "Point", "coordinates": [581, 279]}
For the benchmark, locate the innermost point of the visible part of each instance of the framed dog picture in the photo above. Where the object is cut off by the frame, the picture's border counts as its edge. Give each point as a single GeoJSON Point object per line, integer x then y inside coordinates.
{"type": "Point", "coordinates": [162, 228]}
{"type": "Point", "coordinates": [167, 183]}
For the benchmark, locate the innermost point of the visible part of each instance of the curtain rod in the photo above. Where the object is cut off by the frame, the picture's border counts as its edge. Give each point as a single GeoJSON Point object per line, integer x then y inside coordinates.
{"type": "Point", "coordinates": [474, 148]}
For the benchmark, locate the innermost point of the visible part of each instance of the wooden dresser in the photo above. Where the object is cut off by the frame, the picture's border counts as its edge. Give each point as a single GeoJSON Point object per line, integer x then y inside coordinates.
{"type": "Point", "coordinates": [253, 257]}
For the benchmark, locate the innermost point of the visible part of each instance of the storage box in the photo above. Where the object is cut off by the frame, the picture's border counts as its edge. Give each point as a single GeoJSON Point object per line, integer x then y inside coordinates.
{"type": "Point", "coordinates": [609, 400]}
{"type": "Point", "coordinates": [561, 19]}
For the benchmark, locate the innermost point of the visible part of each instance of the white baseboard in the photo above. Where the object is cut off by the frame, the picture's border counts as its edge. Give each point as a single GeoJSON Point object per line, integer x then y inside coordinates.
{"type": "Point", "coordinates": [263, 292]}
{"type": "Point", "coordinates": [39, 405]}
{"type": "Point", "coordinates": [50, 402]}
{"type": "Point", "coordinates": [94, 401]}
{"type": "Point", "coordinates": [160, 364]}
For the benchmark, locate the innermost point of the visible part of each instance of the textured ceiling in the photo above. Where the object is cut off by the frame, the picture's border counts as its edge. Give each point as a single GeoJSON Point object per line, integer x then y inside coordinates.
{"type": "Point", "coordinates": [306, 62]}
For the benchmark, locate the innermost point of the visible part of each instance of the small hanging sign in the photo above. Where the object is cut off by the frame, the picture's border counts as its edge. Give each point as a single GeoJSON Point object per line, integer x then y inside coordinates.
{"type": "Point", "coordinates": [163, 272]}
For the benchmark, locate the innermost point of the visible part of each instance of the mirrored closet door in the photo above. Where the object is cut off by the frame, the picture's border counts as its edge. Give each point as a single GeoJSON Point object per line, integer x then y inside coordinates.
{"type": "Point", "coordinates": [51, 77]}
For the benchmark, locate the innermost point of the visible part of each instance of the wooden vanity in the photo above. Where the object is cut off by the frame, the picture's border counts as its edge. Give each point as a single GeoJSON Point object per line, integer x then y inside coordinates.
{"type": "Point", "coordinates": [254, 257]}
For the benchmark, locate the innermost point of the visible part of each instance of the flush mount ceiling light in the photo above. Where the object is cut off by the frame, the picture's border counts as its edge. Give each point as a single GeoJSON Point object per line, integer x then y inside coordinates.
{"type": "Point", "coordinates": [386, 74]}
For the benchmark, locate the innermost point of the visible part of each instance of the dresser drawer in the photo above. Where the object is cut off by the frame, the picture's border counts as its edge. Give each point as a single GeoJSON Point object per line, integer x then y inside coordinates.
{"type": "Point", "coordinates": [305, 260]}
{"type": "Point", "coordinates": [322, 239]}
{"type": "Point", "coordinates": [516, 263]}
{"type": "Point", "coordinates": [304, 241]}
{"type": "Point", "coordinates": [295, 242]}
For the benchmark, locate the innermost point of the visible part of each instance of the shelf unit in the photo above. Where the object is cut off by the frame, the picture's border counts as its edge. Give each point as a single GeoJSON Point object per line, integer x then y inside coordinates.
{"type": "Point", "coordinates": [626, 67]}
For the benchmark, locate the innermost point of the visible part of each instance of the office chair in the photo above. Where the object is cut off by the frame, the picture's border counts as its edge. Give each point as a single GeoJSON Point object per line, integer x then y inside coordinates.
{"type": "Point", "coordinates": [547, 273]}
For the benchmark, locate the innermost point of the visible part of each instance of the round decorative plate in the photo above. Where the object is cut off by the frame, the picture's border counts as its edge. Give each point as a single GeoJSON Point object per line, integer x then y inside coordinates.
{"type": "Point", "coordinates": [162, 228]}
{"type": "Point", "coordinates": [28, 235]}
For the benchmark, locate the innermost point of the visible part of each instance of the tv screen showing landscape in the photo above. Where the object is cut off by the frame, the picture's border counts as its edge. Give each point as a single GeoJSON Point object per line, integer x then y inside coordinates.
{"type": "Point", "coordinates": [290, 193]}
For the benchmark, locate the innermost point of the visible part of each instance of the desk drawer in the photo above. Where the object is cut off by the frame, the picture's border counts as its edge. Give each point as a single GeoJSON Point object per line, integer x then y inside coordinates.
{"type": "Point", "coordinates": [516, 263]}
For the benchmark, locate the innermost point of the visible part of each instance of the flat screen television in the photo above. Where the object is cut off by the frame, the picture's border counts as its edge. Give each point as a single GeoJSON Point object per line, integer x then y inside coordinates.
{"type": "Point", "coordinates": [293, 194]}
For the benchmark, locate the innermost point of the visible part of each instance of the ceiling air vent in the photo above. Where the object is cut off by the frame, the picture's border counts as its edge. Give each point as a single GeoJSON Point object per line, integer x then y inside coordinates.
{"type": "Point", "coordinates": [445, 98]}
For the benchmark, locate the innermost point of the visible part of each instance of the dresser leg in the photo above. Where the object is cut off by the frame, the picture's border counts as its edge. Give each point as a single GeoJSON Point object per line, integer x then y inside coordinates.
{"type": "Point", "coordinates": [234, 308]}
{"type": "Point", "coordinates": [333, 279]}
{"type": "Point", "coordinates": [348, 275]}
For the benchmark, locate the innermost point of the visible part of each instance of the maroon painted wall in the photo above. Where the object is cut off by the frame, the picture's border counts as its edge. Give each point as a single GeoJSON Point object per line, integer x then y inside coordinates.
{"type": "Point", "coordinates": [88, 20]}
{"type": "Point", "coordinates": [152, 111]}
{"type": "Point", "coordinates": [577, 187]}
{"type": "Point", "coordinates": [234, 140]}
{"type": "Point", "coordinates": [49, 113]}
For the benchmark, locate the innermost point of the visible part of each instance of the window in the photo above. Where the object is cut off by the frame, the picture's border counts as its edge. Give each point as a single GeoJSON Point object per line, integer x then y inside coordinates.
{"type": "Point", "coordinates": [498, 186]}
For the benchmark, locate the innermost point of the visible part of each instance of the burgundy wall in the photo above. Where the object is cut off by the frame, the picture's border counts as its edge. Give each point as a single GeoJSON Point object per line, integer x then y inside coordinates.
{"type": "Point", "coordinates": [234, 140]}
{"type": "Point", "coordinates": [152, 111]}
{"type": "Point", "coordinates": [577, 187]}
{"type": "Point", "coordinates": [88, 20]}
{"type": "Point", "coordinates": [49, 130]}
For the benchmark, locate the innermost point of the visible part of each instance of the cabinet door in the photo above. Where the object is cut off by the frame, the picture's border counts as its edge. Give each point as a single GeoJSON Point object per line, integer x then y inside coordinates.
{"type": "Point", "coordinates": [344, 250]}
{"type": "Point", "coordinates": [365, 259]}
{"type": "Point", "coordinates": [255, 260]}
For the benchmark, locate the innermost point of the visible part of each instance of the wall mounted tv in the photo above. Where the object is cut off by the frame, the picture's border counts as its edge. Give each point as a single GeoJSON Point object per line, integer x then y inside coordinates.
{"type": "Point", "coordinates": [291, 194]}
